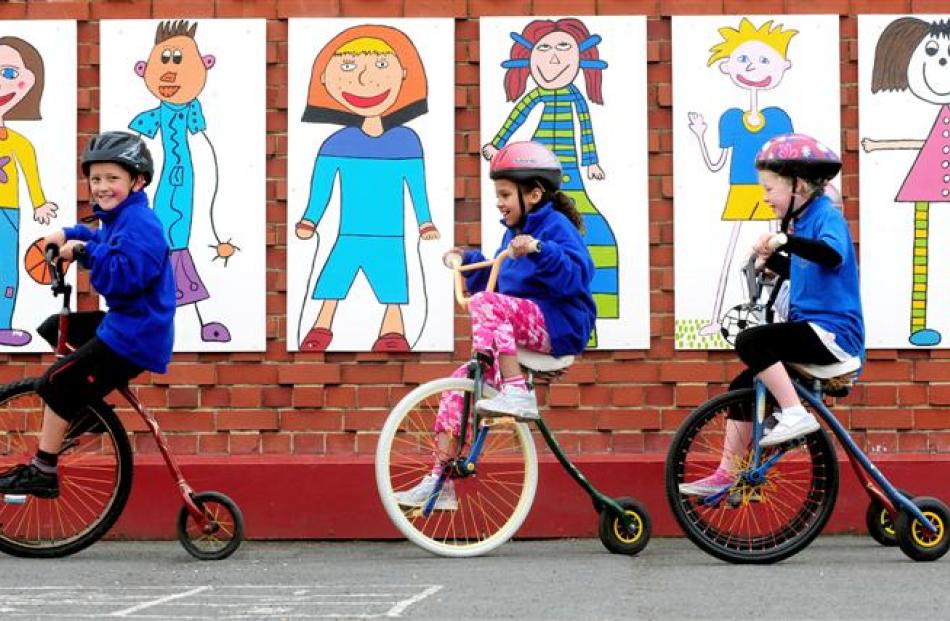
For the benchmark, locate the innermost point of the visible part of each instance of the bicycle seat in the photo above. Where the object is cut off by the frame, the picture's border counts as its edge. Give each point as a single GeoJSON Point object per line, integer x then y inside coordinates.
{"type": "Point", "coordinates": [539, 363]}
{"type": "Point", "coordinates": [828, 371]}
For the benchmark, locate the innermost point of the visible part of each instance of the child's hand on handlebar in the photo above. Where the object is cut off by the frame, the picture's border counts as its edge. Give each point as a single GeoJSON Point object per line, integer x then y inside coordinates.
{"type": "Point", "coordinates": [452, 258]}
{"type": "Point", "coordinates": [68, 250]}
{"type": "Point", "coordinates": [767, 244]}
{"type": "Point", "coordinates": [522, 245]}
{"type": "Point", "coordinates": [57, 238]}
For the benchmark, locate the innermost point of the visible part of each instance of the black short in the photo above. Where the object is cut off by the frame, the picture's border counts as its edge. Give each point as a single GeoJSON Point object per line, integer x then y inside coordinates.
{"type": "Point", "coordinates": [87, 374]}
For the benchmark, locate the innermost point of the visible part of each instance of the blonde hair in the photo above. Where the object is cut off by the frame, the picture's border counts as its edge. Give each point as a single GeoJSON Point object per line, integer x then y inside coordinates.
{"type": "Point", "coordinates": [364, 45]}
{"type": "Point", "coordinates": [776, 38]}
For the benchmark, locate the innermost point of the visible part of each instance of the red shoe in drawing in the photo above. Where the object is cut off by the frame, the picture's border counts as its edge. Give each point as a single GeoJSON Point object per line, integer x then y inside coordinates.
{"type": "Point", "coordinates": [391, 342]}
{"type": "Point", "coordinates": [318, 339]}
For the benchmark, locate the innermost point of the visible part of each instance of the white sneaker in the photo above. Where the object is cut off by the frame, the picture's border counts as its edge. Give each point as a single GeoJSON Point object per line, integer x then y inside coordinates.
{"type": "Point", "coordinates": [791, 428]}
{"type": "Point", "coordinates": [511, 401]}
{"type": "Point", "coordinates": [419, 495]}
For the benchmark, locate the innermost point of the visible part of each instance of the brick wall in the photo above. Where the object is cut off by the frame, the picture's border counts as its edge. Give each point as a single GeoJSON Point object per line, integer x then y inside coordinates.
{"type": "Point", "coordinates": [629, 402]}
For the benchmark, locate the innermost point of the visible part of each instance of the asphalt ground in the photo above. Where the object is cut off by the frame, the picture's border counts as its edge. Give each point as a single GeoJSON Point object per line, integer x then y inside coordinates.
{"type": "Point", "coordinates": [835, 578]}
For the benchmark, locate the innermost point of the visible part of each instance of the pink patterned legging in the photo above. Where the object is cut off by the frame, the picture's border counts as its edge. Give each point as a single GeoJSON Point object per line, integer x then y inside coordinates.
{"type": "Point", "coordinates": [500, 323]}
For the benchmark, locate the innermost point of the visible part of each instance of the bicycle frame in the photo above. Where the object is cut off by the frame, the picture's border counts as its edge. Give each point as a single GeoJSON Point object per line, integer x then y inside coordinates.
{"type": "Point", "coordinates": [63, 348]}
{"type": "Point", "coordinates": [871, 478]}
{"type": "Point", "coordinates": [467, 465]}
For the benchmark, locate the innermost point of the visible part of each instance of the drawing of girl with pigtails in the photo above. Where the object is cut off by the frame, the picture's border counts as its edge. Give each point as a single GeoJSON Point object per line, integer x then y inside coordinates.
{"type": "Point", "coordinates": [912, 54]}
{"type": "Point", "coordinates": [553, 54]}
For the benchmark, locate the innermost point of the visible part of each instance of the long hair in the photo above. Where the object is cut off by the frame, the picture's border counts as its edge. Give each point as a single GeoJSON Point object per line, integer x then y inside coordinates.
{"type": "Point", "coordinates": [517, 78]}
{"type": "Point", "coordinates": [559, 201]}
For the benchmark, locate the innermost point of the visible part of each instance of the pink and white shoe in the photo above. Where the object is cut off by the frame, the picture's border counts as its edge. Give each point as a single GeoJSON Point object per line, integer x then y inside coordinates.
{"type": "Point", "coordinates": [718, 481]}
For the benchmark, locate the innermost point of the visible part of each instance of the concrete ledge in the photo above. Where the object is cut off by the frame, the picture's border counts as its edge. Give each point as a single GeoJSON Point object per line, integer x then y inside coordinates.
{"type": "Point", "coordinates": [294, 497]}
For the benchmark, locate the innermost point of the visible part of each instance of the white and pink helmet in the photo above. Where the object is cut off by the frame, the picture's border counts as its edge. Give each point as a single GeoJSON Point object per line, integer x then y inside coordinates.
{"type": "Point", "coordinates": [798, 155]}
{"type": "Point", "coordinates": [524, 162]}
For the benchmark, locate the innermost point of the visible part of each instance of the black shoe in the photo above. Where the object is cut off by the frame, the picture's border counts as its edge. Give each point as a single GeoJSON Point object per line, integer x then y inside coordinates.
{"type": "Point", "coordinates": [28, 479]}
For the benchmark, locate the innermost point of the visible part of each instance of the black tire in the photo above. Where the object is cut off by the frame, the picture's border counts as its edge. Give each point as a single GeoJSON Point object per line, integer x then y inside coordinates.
{"type": "Point", "coordinates": [620, 540]}
{"type": "Point", "coordinates": [880, 523]}
{"type": "Point", "coordinates": [225, 530]}
{"type": "Point", "coordinates": [915, 540]}
{"type": "Point", "coordinates": [763, 523]}
{"type": "Point", "coordinates": [95, 477]}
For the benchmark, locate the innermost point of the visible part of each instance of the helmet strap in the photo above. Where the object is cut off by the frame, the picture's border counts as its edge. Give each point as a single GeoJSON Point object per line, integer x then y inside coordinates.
{"type": "Point", "coordinates": [791, 213]}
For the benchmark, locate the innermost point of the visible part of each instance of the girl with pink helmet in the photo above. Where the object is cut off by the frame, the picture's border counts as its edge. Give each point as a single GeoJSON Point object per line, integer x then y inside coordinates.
{"type": "Point", "coordinates": [825, 323]}
{"type": "Point", "coordinates": [543, 300]}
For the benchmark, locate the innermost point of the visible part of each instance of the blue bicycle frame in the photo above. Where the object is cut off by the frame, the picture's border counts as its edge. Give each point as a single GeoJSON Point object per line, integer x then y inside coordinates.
{"type": "Point", "coordinates": [758, 469]}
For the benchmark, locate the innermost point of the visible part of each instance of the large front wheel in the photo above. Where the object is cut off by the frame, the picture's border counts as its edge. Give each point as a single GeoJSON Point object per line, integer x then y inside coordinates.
{"type": "Point", "coordinates": [492, 502]}
{"type": "Point", "coordinates": [95, 476]}
{"type": "Point", "coordinates": [756, 520]}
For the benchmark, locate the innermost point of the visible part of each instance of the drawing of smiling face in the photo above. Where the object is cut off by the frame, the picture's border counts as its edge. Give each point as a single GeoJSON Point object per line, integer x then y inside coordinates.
{"type": "Point", "coordinates": [15, 79]}
{"type": "Point", "coordinates": [555, 60]}
{"type": "Point", "coordinates": [176, 72]}
{"type": "Point", "coordinates": [366, 84]}
{"type": "Point", "coordinates": [928, 72]}
{"type": "Point", "coordinates": [755, 65]}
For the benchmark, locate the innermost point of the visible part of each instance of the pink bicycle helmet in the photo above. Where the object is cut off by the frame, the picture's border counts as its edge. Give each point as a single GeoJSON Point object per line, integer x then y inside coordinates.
{"type": "Point", "coordinates": [524, 162]}
{"type": "Point", "coordinates": [798, 155]}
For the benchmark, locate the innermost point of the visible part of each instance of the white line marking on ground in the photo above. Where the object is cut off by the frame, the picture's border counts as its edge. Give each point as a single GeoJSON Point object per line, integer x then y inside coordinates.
{"type": "Point", "coordinates": [160, 600]}
{"type": "Point", "coordinates": [400, 607]}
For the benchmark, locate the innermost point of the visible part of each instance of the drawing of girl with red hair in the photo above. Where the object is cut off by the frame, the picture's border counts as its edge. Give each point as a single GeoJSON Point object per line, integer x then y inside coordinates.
{"type": "Point", "coordinates": [553, 54]}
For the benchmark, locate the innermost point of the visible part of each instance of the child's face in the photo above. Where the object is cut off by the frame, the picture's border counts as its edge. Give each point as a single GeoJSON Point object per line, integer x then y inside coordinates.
{"type": "Point", "coordinates": [778, 191]}
{"type": "Point", "coordinates": [506, 199]}
{"type": "Point", "coordinates": [110, 184]}
{"type": "Point", "coordinates": [755, 65]}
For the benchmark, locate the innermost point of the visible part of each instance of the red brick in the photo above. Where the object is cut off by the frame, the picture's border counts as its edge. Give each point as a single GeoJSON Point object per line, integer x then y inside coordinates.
{"type": "Point", "coordinates": [310, 443]}
{"type": "Point", "coordinates": [310, 421]}
{"type": "Point", "coordinates": [881, 419]}
{"type": "Point", "coordinates": [246, 8]}
{"type": "Point", "coordinates": [57, 10]}
{"type": "Point", "coordinates": [182, 8]}
{"type": "Point", "coordinates": [244, 443]}
{"type": "Point", "coordinates": [478, 8]}
{"type": "Point", "coordinates": [186, 421]}
{"type": "Point", "coordinates": [276, 443]}
{"type": "Point", "coordinates": [308, 373]}
{"type": "Point", "coordinates": [246, 420]}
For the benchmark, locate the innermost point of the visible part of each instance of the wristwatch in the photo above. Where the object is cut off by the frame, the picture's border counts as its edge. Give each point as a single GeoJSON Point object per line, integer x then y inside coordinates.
{"type": "Point", "coordinates": [537, 245]}
{"type": "Point", "coordinates": [79, 252]}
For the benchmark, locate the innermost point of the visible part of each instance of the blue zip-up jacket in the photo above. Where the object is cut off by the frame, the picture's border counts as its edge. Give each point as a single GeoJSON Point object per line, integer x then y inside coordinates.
{"type": "Point", "coordinates": [557, 279]}
{"type": "Point", "coordinates": [127, 258]}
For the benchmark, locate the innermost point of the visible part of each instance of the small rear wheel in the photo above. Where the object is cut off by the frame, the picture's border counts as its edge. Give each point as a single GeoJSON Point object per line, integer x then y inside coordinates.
{"type": "Point", "coordinates": [880, 522]}
{"type": "Point", "coordinates": [916, 540]}
{"type": "Point", "coordinates": [220, 535]}
{"type": "Point", "coordinates": [620, 539]}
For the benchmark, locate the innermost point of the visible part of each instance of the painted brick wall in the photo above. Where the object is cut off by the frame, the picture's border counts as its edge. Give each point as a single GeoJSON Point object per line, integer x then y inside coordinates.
{"type": "Point", "coordinates": [628, 402]}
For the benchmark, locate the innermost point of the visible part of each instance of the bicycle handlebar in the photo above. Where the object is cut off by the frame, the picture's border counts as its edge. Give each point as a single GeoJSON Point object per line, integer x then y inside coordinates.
{"type": "Point", "coordinates": [57, 273]}
{"type": "Point", "coordinates": [458, 268]}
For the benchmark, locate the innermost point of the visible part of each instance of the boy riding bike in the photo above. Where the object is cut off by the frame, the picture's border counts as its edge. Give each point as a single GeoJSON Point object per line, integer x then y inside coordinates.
{"type": "Point", "coordinates": [128, 264]}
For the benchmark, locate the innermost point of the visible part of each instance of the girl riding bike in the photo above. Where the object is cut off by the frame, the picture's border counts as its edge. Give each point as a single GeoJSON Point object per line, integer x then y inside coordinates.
{"type": "Point", "coordinates": [543, 303]}
{"type": "Point", "coordinates": [825, 322]}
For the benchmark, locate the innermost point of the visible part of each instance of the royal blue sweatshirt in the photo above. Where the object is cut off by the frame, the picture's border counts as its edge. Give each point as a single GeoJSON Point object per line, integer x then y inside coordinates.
{"type": "Point", "coordinates": [127, 258]}
{"type": "Point", "coordinates": [557, 279]}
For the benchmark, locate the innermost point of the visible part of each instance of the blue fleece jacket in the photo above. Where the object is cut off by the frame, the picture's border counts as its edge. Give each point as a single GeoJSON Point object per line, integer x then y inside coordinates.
{"type": "Point", "coordinates": [127, 258]}
{"type": "Point", "coordinates": [557, 279]}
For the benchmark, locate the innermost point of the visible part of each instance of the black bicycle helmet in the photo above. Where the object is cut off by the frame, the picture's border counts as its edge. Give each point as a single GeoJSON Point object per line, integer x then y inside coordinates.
{"type": "Point", "coordinates": [123, 148]}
